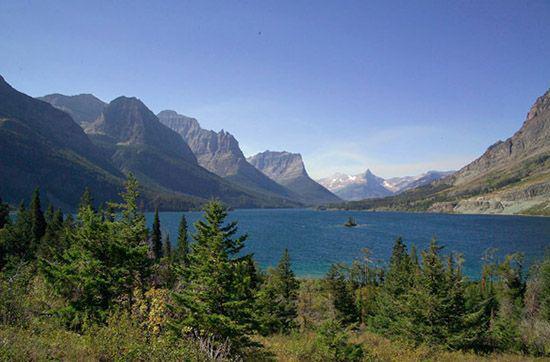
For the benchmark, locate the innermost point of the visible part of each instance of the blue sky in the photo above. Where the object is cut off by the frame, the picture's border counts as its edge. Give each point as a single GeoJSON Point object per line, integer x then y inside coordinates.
{"type": "Point", "coordinates": [397, 87]}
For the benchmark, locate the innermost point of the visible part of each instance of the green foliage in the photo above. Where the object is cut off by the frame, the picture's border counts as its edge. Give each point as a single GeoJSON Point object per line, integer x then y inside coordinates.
{"type": "Point", "coordinates": [38, 222]}
{"type": "Point", "coordinates": [332, 344]}
{"type": "Point", "coordinates": [342, 294]}
{"type": "Point", "coordinates": [156, 237]}
{"type": "Point", "coordinates": [277, 298]}
{"type": "Point", "coordinates": [216, 299]}
{"type": "Point", "coordinates": [167, 247]}
{"type": "Point", "coordinates": [4, 213]}
{"type": "Point", "coordinates": [182, 250]}
{"type": "Point", "coordinates": [104, 262]}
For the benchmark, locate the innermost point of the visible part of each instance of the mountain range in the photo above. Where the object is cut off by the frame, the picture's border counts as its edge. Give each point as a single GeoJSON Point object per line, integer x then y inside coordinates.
{"type": "Point", "coordinates": [368, 186]}
{"type": "Point", "coordinates": [219, 153]}
{"type": "Point", "coordinates": [67, 143]}
{"type": "Point", "coordinates": [511, 177]}
{"type": "Point", "coordinates": [288, 169]}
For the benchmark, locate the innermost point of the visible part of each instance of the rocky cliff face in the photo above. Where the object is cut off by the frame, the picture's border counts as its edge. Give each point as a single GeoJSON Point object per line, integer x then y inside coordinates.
{"type": "Point", "coordinates": [83, 108]}
{"type": "Point", "coordinates": [531, 142]}
{"type": "Point", "coordinates": [42, 146]}
{"type": "Point", "coordinates": [219, 152]}
{"type": "Point", "coordinates": [127, 121]}
{"type": "Point", "coordinates": [288, 170]}
{"type": "Point", "coordinates": [511, 177]}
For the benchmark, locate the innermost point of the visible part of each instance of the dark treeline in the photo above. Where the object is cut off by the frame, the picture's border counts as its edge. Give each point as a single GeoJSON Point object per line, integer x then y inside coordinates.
{"type": "Point", "coordinates": [111, 288]}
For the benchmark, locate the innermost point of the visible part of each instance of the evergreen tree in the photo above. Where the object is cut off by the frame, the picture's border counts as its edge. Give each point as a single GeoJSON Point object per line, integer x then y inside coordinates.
{"type": "Point", "coordinates": [216, 299]}
{"type": "Point", "coordinates": [156, 237]}
{"type": "Point", "coordinates": [341, 294]}
{"type": "Point", "coordinates": [182, 249]}
{"type": "Point", "coordinates": [277, 298]}
{"type": "Point", "coordinates": [510, 291]}
{"type": "Point", "coordinates": [38, 221]}
{"type": "Point", "coordinates": [18, 238]}
{"type": "Point", "coordinates": [167, 247]}
{"type": "Point", "coordinates": [86, 200]}
{"type": "Point", "coordinates": [104, 262]}
{"type": "Point", "coordinates": [53, 241]}
{"type": "Point", "coordinates": [4, 213]}
{"type": "Point", "coordinates": [391, 300]}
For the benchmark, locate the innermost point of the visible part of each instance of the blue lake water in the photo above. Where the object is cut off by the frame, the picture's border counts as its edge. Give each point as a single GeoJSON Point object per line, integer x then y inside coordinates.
{"type": "Point", "coordinates": [316, 239]}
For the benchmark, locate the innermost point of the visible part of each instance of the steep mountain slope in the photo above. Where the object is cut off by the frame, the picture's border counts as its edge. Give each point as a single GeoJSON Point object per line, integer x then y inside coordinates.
{"type": "Point", "coordinates": [42, 146]}
{"type": "Point", "coordinates": [358, 187]}
{"type": "Point", "coordinates": [288, 170]}
{"type": "Point", "coordinates": [83, 108]}
{"type": "Point", "coordinates": [219, 153]}
{"type": "Point", "coordinates": [511, 177]}
{"type": "Point", "coordinates": [135, 140]}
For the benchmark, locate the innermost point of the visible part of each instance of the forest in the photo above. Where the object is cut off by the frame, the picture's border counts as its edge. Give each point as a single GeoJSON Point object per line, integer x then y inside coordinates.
{"type": "Point", "coordinates": [103, 286]}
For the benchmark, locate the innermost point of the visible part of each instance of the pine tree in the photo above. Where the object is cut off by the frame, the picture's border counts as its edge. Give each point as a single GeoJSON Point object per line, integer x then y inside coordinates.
{"type": "Point", "coordinates": [167, 247]}
{"type": "Point", "coordinates": [391, 300]}
{"type": "Point", "coordinates": [86, 200]}
{"type": "Point", "coordinates": [156, 237]}
{"type": "Point", "coordinates": [182, 249]}
{"type": "Point", "coordinates": [341, 294]}
{"type": "Point", "coordinates": [4, 213]}
{"type": "Point", "coordinates": [38, 221]}
{"type": "Point", "coordinates": [53, 241]}
{"type": "Point", "coordinates": [277, 298]}
{"type": "Point", "coordinates": [104, 262]}
{"type": "Point", "coordinates": [216, 299]}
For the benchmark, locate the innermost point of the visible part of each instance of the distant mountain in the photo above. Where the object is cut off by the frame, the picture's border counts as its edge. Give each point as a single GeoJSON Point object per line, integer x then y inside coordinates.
{"type": "Point", "coordinates": [219, 153]}
{"type": "Point", "coordinates": [42, 146]}
{"type": "Point", "coordinates": [357, 187]}
{"type": "Point", "coordinates": [511, 177]}
{"type": "Point", "coordinates": [83, 108]}
{"type": "Point", "coordinates": [368, 186]}
{"type": "Point", "coordinates": [288, 170]}
{"type": "Point", "coordinates": [135, 140]}
{"type": "Point", "coordinates": [400, 184]}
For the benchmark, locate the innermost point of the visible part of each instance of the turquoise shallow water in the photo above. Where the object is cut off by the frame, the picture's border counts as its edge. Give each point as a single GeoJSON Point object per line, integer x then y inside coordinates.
{"type": "Point", "coordinates": [316, 239]}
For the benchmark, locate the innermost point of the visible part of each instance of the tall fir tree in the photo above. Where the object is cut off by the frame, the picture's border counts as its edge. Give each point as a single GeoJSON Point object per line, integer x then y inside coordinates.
{"type": "Point", "coordinates": [38, 220]}
{"type": "Point", "coordinates": [103, 264]}
{"type": "Point", "coordinates": [4, 213]}
{"type": "Point", "coordinates": [156, 237]}
{"type": "Point", "coordinates": [390, 301]}
{"type": "Point", "coordinates": [182, 249]}
{"type": "Point", "coordinates": [86, 200]}
{"type": "Point", "coordinates": [217, 297]}
{"type": "Point", "coordinates": [167, 246]}
{"type": "Point", "coordinates": [342, 295]}
{"type": "Point", "coordinates": [277, 298]}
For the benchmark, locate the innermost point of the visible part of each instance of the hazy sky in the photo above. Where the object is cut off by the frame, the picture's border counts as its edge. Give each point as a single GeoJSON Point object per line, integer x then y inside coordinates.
{"type": "Point", "coordinates": [397, 87]}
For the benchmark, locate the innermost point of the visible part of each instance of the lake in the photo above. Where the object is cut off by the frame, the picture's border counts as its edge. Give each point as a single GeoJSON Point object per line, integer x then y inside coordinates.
{"type": "Point", "coordinates": [316, 239]}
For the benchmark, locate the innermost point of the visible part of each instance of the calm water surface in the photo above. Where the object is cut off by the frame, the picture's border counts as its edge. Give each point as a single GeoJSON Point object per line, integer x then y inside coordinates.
{"type": "Point", "coordinates": [316, 239]}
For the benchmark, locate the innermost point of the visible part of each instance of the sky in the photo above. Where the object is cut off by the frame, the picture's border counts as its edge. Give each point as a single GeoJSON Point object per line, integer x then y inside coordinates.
{"type": "Point", "coordinates": [399, 87]}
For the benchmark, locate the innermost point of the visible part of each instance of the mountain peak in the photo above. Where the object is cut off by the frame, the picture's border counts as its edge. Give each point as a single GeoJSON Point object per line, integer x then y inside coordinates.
{"type": "Point", "coordinates": [84, 108]}
{"type": "Point", "coordinates": [541, 104]}
{"type": "Point", "coordinates": [288, 169]}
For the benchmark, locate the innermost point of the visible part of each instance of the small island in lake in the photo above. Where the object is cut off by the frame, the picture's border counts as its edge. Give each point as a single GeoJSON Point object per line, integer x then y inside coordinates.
{"type": "Point", "coordinates": [350, 223]}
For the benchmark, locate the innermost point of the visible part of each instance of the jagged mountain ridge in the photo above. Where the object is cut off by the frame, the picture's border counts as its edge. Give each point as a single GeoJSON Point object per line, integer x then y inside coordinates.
{"type": "Point", "coordinates": [288, 170]}
{"type": "Point", "coordinates": [219, 152]}
{"type": "Point", "coordinates": [83, 108]}
{"type": "Point", "coordinates": [136, 141]}
{"type": "Point", "coordinates": [367, 185]}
